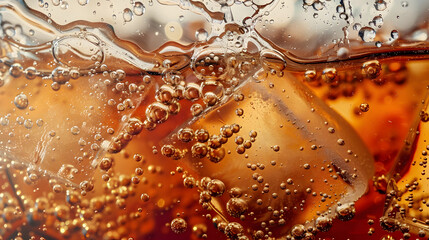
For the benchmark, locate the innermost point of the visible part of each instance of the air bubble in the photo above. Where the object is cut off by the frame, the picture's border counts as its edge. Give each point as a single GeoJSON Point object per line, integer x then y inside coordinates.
{"type": "Point", "coordinates": [28, 123]}
{"type": "Point", "coordinates": [134, 126]}
{"type": "Point", "coordinates": [127, 15]}
{"type": "Point", "coordinates": [20, 120]}
{"type": "Point", "coordinates": [157, 113]}
{"type": "Point", "coordinates": [394, 34]}
{"type": "Point", "coordinates": [233, 230]}
{"type": "Point", "coordinates": [343, 53]}
{"type": "Point", "coordinates": [340, 9]}
{"type": "Point", "coordinates": [189, 182]}
{"type": "Point", "coordinates": [216, 155]}
{"type": "Point", "coordinates": [216, 187]}
{"type": "Point", "coordinates": [39, 122]}
{"type": "Point", "coordinates": [378, 21]}
{"type": "Point", "coordinates": [192, 91]}
{"type": "Point", "coordinates": [236, 207]}
{"type": "Point", "coordinates": [185, 134]}
{"type": "Point", "coordinates": [60, 75]}
{"type": "Point", "coordinates": [168, 150]}
{"type": "Point", "coordinates": [380, 5]}
{"type": "Point", "coordinates": [178, 225]}
{"type": "Point", "coordinates": [196, 109]}
{"type": "Point", "coordinates": [201, 35]}
{"type": "Point", "coordinates": [75, 130]}
{"type": "Point", "coordinates": [323, 223]}
{"type": "Point", "coordinates": [367, 34]}
{"type": "Point", "coordinates": [364, 107]}
{"type": "Point", "coordinates": [145, 197]}
{"type": "Point", "coordinates": [106, 163]}
{"type": "Point", "coordinates": [15, 70]}
{"type": "Point", "coordinates": [202, 135]}
{"type": "Point", "coordinates": [57, 188]}
{"type": "Point", "coordinates": [64, 5]}
{"type": "Point", "coordinates": [317, 5]}
{"type": "Point", "coordinates": [21, 101]}
{"type": "Point", "coordinates": [298, 231]}
{"type": "Point", "coordinates": [139, 9]}
{"type": "Point", "coordinates": [345, 212]}
{"type": "Point", "coordinates": [357, 26]}
{"type": "Point", "coordinates": [30, 73]}
{"type": "Point", "coordinates": [83, 2]}
{"type": "Point", "coordinates": [371, 69]}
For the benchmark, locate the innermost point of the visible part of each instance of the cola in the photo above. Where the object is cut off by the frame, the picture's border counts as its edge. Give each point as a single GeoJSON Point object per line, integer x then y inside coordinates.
{"type": "Point", "coordinates": [216, 119]}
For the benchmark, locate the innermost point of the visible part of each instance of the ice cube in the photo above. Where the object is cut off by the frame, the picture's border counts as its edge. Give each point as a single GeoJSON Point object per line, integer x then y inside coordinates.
{"type": "Point", "coordinates": [60, 132]}
{"type": "Point", "coordinates": [65, 95]}
{"type": "Point", "coordinates": [406, 200]}
{"type": "Point", "coordinates": [292, 159]}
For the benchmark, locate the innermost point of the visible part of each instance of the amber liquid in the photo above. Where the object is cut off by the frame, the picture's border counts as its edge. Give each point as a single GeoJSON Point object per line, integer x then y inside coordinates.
{"type": "Point", "coordinates": [116, 209]}
{"type": "Point", "coordinates": [121, 153]}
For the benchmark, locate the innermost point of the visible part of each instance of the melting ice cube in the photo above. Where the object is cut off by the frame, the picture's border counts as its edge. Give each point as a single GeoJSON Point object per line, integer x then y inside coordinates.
{"type": "Point", "coordinates": [291, 159]}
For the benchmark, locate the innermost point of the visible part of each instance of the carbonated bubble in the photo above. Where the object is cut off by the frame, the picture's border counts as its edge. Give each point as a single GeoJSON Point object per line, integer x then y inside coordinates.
{"type": "Point", "coordinates": [364, 107]}
{"type": "Point", "coordinates": [21, 101]}
{"type": "Point", "coordinates": [56, 2]}
{"type": "Point", "coordinates": [236, 207]}
{"type": "Point", "coordinates": [83, 2]}
{"type": "Point", "coordinates": [367, 34]}
{"type": "Point", "coordinates": [157, 113]}
{"type": "Point", "coordinates": [178, 225]}
{"type": "Point", "coordinates": [323, 224]}
{"type": "Point", "coordinates": [15, 70]}
{"type": "Point", "coordinates": [345, 212]}
{"type": "Point", "coordinates": [30, 73]}
{"type": "Point", "coordinates": [75, 130]}
{"type": "Point", "coordinates": [394, 34]}
{"type": "Point", "coordinates": [28, 123]}
{"type": "Point", "coordinates": [61, 75]}
{"type": "Point", "coordinates": [371, 69]}
{"type": "Point", "coordinates": [128, 15]}
{"type": "Point", "coordinates": [106, 163]}
{"type": "Point", "coordinates": [380, 5]}
{"type": "Point", "coordinates": [201, 35]}
{"type": "Point", "coordinates": [216, 187]}
{"type": "Point", "coordinates": [234, 230]}
{"type": "Point", "coordinates": [139, 8]}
